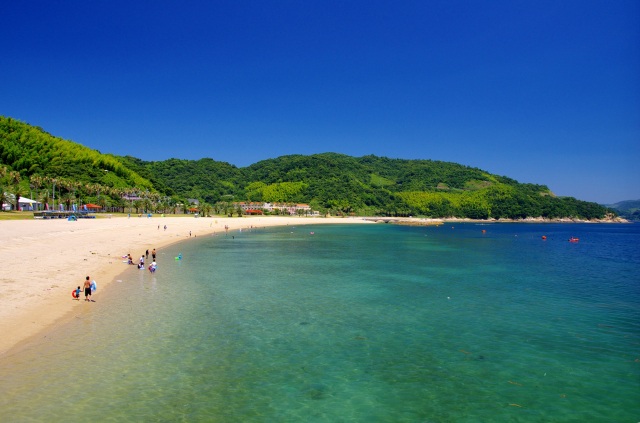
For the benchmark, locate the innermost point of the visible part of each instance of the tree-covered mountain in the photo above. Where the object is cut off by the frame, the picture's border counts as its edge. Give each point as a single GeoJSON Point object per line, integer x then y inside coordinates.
{"type": "Point", "coordinates": [329, 182]}
{"type": "Point", "coordinates": [203, 179]}
{"type": "Point", "coordinates": [629, 209]}
{"type": "Point", "coordinates": [32, 151]}
{"type": "Point", "coordinates": [56, 171]}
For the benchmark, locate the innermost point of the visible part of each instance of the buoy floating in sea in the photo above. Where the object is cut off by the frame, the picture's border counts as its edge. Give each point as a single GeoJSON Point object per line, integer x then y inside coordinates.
{"type": "Point", "coordinates": [544, 237]}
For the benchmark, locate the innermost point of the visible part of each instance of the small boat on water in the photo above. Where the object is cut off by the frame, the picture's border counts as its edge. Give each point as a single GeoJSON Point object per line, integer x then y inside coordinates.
{"type": "Point", "coordinates": [574, 239]}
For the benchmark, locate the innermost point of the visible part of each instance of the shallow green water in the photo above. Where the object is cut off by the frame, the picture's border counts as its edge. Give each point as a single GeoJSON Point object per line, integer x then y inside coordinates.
{"type": "Point", "coordinates": [367, 323]}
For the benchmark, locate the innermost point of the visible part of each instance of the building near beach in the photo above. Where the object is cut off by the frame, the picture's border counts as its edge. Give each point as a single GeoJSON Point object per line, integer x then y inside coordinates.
{"type": "Point", "coordinates": [24, 204]}
{"type": "Point", "coordinates": [284, 208]}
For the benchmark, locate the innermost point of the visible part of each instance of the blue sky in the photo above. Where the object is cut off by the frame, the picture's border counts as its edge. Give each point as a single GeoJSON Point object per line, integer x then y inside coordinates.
{"type": "Point", "coordinates": [544, 92]}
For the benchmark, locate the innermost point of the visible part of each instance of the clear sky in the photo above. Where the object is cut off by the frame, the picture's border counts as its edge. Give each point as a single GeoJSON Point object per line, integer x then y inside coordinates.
{"type": "Point", "coordinates": [545, 92]}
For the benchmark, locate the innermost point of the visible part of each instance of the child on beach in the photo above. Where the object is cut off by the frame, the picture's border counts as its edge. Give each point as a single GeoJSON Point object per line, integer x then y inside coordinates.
{"type": "Point", "coordinates": [78, 291]}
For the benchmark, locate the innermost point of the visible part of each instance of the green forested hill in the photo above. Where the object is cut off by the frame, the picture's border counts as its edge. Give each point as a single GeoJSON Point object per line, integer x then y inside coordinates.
{"type": "Point", "coordinates": [384, 186]}
{"type": "Point", "coordinates": [329, 182]}
{"type": "Point", "coordinates": [32, 151]}
{"type": "Point", "coordinates": [629, 209]}
{"type": "Point", "coordinates": [203, 179]}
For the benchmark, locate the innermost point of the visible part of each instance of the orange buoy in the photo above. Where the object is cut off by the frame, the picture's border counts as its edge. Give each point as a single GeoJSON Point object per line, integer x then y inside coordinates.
{"type": "Point", "coordinates": [74, 294]}
{"type": "Point", "coordinates": [544, 237]}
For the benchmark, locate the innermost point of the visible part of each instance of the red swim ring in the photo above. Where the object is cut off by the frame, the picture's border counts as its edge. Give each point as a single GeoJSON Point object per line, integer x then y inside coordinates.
{"type": "Point", "coordinates": [74, 294]}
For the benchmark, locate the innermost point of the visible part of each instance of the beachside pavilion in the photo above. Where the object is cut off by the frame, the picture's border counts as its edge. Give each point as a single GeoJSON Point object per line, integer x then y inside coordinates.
{"type": "Point", "coordinates": [24, 204]}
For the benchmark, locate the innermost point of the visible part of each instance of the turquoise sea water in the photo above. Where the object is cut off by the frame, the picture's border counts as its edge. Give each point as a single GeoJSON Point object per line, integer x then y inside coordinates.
{"type": "Point", "coordinates": [353, 323]}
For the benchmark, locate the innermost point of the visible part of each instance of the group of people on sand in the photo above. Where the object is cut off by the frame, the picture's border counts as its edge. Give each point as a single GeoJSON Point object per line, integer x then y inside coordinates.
{"type": "Point", "coordinates": [140, 264]}
{"type": "Point", "coordinates": [89, 287]}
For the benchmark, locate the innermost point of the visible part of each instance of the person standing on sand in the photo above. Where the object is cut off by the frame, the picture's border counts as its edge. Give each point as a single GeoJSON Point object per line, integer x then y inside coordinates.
{"type": "Point", "coordinates": [147, 254]}
{"type": "Point", "coordinates": [153, 254]}
{"type": "Point", "coordinates": [87, 289]}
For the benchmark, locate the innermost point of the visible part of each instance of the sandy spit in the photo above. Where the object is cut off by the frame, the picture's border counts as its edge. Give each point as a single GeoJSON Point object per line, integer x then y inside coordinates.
{"type": "Point", "coordinates": [42, 261]}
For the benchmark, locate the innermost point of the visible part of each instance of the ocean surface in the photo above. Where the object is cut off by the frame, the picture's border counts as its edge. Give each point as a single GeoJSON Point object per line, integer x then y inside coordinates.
{"type": "Point", "coordinates": [352, 323]}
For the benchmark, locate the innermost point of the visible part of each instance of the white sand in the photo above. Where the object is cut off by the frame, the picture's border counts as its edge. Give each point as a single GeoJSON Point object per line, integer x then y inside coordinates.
{"type": "Point", "coordinates": [42, 261]}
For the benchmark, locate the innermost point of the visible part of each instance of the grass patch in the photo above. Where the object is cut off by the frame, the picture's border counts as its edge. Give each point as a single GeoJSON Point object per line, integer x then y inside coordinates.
{"type": "Point", "coordinates": [380, 181]}
{"type": "Point", "coordinates": [475, 185]}
{"type": "Point", "coordinates": [16, 215]}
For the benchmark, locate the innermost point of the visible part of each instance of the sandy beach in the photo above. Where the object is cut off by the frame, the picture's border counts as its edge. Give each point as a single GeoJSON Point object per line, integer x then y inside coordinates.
{"type": "Point", "coordinates": [44, 260]}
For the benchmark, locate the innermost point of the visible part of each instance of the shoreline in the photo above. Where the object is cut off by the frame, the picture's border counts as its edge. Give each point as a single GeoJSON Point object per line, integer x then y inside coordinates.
{"type": "Point", "coordinates": [44, 260]}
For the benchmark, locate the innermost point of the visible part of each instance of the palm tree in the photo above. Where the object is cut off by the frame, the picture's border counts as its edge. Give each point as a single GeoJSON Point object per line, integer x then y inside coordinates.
{"type": "Point", "coordinates": [89, 189]}
{"type": "Point", "coordinates": [138, 204]}
{"type": "Point", "coordinates": [153, 198]}
{"type": "Point", "coordinates": [239, 210]}
{"type": "Point", "coordinates": [68, 198]}
{"type": "Point", "coordinates": [120, 202]}
{"type": "Point", "coordinates": [39, 182]}
{"type": "Point", "coordinates": [43, 197]}
{"type": "Point", "coordinates": [14, 181]}
{"type": "Point", "coordinates": [206, 209]}
{"type": "Point", "coordinates": [146, 203]}
{"type": "Point", "coordinates": [126, 194]}
{"type": "Point", "coordinates": [49, 180]}
{"type": "Point", "coordinates": [17, 195]}
{"type": "Point", "coordinates": [96, 189]}
{"type": "Point", "coordinates": [102, 202]}
{"type": "Point", "coordinates": [3, 196]}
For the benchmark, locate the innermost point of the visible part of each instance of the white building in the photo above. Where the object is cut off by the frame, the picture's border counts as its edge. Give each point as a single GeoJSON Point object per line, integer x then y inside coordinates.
{"type": "Point", "coordinates": [25, 203]}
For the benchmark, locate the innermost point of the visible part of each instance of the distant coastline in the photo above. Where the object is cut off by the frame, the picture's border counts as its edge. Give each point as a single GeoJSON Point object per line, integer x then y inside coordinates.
{"type": "Point", "coordinates": [417, 221]}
